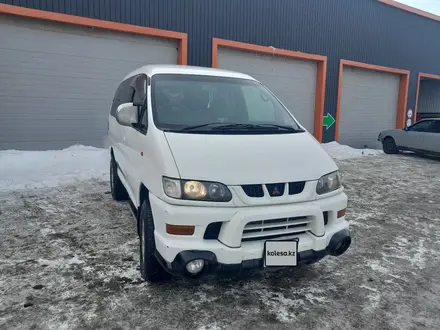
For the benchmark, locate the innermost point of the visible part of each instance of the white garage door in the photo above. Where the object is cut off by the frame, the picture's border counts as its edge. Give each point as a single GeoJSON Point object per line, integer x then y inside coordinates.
{"type": "Point", "coordinates": [292, 81]}
{"type": "Point", "coordinates": [369, 104]}
{"type": "Point", "coordinates": [57, 81]}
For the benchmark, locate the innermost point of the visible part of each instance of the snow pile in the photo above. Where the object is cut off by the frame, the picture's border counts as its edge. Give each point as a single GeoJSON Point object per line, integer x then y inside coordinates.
{"type": "Point", "coordinates": [339, 151]}
{"type": "Point", "coordinates": [37, 169]}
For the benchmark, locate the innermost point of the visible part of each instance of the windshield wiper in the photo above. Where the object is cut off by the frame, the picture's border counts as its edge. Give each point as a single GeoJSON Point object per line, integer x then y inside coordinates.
{"type": "Point", "coordinates": [261, 127]}
{"type": "Point", "coordinates": [189, 128]}
{"type": "Point", "coordinates": [223, 127]}
{"type": "Point", "coordinates": [286, 127]}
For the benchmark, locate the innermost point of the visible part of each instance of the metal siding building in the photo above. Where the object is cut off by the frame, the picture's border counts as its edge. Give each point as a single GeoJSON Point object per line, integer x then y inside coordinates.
{"type": "Point", "coordinates": [367, 31]}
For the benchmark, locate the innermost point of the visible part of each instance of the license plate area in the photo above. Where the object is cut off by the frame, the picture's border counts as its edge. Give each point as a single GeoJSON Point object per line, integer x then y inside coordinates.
{"type": "Point", "coordinates": [281, 253]}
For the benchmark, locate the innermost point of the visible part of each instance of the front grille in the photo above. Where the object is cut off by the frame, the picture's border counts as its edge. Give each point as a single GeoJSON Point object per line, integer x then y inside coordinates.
{"type": "Point", "coordinates": [275, 228]}
{"type": "Point", "coordinates": [296, 187]}
{"type": "Point", "coordinates": [253, 190]}
{"type": "Point", "coordinates": [274, 189]}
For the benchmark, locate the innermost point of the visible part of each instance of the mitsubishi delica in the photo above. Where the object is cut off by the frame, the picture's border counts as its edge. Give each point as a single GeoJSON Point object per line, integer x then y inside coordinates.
{"type": "Point", "coordinates": [220, 176]}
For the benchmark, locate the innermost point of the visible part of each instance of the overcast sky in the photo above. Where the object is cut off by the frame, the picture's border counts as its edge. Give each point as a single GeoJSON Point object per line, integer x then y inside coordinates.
{"type": "Point", "coordinates": [432, 6]}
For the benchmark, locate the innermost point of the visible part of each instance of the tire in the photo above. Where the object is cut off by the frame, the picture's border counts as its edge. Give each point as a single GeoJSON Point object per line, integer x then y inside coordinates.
{"type": "Point", "coordinates": [389, 146]}
{"type": "Point", "coordinates": [119, 193]}
{"type": "Point", "coordinates": [151, 270]}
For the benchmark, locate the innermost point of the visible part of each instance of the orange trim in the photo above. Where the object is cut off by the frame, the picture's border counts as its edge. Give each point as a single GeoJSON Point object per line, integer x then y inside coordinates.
{"type": "Point", "coordinates": [182, 55]}
{"type": "Point", "coordinates": [429, 76]}
{"type": "Point", "coordinates": [320, 80]}
{"type": "Point", "coordinates": [214, 53]}
{"type": "Point", "coordinates": [420, 76]}
{"type": "Point", "coordinates": [403, 90]}
{"type": "Point", "coordinates": [266, 50]}
{"type": "Point", "coordinates": [320, 99]}
{"type": "Point", "coordinates": [338, 104]}
{"type": "Point", "coordinates": [402, 101]}
{"type": "Point", "coordinates": [107, 25]}
{"type": "Point", "coordinates": [411, 9]}
{"type": "Point", "coordinates": [373, 67]}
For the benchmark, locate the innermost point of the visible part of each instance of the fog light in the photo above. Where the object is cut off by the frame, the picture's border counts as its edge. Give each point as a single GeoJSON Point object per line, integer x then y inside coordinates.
{"type": "Point", "coordinates": [195, 266]}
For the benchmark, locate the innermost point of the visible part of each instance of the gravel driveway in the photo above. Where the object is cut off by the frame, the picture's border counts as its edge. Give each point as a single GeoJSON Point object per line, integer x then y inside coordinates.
{"type": "Point", "coordinates": [68, 260]}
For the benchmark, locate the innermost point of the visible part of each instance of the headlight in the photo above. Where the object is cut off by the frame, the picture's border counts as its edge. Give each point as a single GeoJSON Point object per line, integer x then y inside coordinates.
{"type": "Point", "coordinates": [328, 183]}
{"type": "Point", "coordinates": [196, 190]}
{"type": "Point", "coordinates": [172, 187]}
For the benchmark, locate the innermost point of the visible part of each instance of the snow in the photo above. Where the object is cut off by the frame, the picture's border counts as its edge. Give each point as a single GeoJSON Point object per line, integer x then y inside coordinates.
{"type": "Point", "coordinates": [38, 169]}
{"type": "Point", "coordinates": [339, 151]}
{"type": "Point", "coordinates": [82, 246]}
{"type": "Point", "coordinates": [213, 326]}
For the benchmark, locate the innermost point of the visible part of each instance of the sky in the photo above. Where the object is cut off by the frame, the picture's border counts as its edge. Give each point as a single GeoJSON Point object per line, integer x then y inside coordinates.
{"type": "Point", "coordinates": [432, 6]}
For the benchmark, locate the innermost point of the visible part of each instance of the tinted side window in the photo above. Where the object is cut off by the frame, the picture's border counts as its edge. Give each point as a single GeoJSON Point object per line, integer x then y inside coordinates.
{"type": "Point", "coordinates": [422, 126]}
{"type": "Point", "coordinates": [115, 103]}
{"type": "Point", "coordinates": [436, 127]}
{"type": "Point", "coordinates": [124, 94]}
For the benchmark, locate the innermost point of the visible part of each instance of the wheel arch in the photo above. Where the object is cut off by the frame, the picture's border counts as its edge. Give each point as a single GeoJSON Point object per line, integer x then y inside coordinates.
{"type": "Point", "coordinates": [389, 137]}
{"type": "Point", "coordinates": [143, 194]}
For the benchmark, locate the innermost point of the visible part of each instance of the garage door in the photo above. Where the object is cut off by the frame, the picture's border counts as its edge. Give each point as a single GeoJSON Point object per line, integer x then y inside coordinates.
{"type": "Point", "coordinates": [369, 104]}
{"type": "Point", "coordinates": [57, 80]}
{"type": "Point", "coordinates": [293, 81]}
{"type": "Point", "coordinates": [429, 99]}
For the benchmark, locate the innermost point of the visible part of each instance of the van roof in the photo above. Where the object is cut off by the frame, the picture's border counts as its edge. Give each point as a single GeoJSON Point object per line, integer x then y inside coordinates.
{"type": "Point", "coordinates": [151, 70]}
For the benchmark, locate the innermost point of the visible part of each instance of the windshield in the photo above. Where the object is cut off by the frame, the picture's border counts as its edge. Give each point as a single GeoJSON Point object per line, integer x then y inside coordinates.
{"type": "Point", "coordinates": [206, 104]}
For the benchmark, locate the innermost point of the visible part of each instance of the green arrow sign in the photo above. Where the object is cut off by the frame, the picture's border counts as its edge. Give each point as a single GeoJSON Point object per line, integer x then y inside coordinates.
{"type": "Point", "coordinates": [328, 121]}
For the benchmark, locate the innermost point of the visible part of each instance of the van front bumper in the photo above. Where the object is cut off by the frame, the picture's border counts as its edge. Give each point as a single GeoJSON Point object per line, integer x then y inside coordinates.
{"type": "Point", "coordinates": [174, 252]}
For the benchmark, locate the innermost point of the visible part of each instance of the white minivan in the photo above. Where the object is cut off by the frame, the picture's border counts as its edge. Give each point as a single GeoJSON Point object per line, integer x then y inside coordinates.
{"type": "Point", "coordinates": [220, 176]}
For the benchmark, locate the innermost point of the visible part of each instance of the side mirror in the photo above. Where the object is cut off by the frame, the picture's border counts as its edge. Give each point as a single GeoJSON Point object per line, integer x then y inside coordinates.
{"type": "Point", "coordinates": [139, 84]}
{"type": "Point", "coordinates": [127, 114]}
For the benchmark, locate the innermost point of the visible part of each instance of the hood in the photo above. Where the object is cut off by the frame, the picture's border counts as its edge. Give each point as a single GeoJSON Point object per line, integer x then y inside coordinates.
{"type": "Point", "coordinates": [249, 159]}
{"type": "Point", "coordinates": [388, 131]}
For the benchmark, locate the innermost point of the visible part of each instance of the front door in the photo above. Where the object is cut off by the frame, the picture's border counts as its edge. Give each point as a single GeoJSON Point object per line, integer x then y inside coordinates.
{"type": "Point", "coordinates": [433, 137]}
{"type": "Point", "coordinates": [416, 136]}
{"type": "Point", "coordinates": [136, 147]}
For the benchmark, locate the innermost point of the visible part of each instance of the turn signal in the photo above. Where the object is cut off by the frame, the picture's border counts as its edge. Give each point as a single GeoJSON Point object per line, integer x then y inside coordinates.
{"type": "Point", "coordinates": [180, 230]}
{"type": "Point", "coordinates": [341, 213]}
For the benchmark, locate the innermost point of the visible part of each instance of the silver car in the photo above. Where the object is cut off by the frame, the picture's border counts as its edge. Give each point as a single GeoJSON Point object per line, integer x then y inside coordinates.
{"type": "Point", "coordinates": [422, 137]}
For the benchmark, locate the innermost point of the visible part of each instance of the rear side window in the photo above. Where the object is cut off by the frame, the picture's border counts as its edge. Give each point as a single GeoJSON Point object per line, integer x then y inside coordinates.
{"type": "Point", "coordinates": [124, 94]}
{"type": "Point", "coordinates": [435, 128]}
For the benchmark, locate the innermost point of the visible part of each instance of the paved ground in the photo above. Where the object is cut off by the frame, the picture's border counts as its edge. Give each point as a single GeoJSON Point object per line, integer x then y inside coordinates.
{"type": "Point", "coordinates": [68, 259]}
